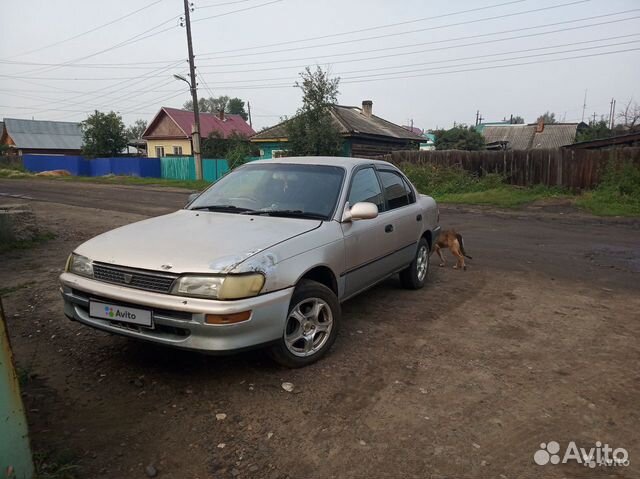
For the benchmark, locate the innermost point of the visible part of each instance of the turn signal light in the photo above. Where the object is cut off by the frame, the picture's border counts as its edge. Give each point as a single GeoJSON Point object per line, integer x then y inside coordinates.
{"type": "Point", "coordinates": [227, 318]}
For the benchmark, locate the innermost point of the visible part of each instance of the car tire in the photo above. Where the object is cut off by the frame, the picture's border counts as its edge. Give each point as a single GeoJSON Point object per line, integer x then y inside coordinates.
{"type": "Point", "coordinates": [416, 274]}
{"type": "Point", "coordinates": [311, 327]}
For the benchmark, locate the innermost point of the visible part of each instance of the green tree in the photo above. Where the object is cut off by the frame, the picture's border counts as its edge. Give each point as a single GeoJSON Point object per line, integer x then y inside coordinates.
{"type": "Point", "coordinates": [517, 120]}
{"type": "Point", "coordinates": [459, 137]}
{"type": "Point", "coordinates": [236, 148]}
{"type": "Point", "coordinates": [104, 134]}
{"type": "Point", "coordinates": [232, 106]}
{"type": "Point", "coordinates": [135, 131]}
{"type": "Point", "coordinates": [595, 131]}
{"type": "Point", "coordinates": [548, 117]}
{"type": "Point", "coordinates": [236, 107]}
{"type": "Point", "coordinates": [312, 131]}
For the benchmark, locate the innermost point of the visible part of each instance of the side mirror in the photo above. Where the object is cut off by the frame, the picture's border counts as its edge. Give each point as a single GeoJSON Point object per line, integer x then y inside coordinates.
{"type": "Point", "coordinates": [192, 197]}
{"type": "Point", "coordinates": [360, 211]}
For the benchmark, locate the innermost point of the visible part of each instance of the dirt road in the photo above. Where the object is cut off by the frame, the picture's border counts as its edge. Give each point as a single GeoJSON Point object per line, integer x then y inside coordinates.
{"type": "Point", "coordinates": [536, 342]}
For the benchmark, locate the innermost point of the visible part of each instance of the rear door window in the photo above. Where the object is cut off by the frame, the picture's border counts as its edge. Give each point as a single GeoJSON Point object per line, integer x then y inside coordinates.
{"type": "Point", "coordinates": [395, 190]}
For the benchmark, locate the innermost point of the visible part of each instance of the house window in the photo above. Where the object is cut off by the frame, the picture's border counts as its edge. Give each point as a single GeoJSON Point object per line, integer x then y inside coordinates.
{"type": "Point", "coordinates": [278, 153]}
{"type": "Point", "coordinates": [159, 151]}
{"type": "Point", "coordinates": [177, 151]}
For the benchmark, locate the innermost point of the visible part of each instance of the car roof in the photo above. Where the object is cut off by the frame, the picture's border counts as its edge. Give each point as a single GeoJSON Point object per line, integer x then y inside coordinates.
{"type": "Point", "coordinates": [345, 162]}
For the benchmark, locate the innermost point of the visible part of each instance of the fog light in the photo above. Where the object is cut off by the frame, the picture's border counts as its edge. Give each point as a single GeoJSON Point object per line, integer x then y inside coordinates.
{"type": "Point", "coordinates": [227, 318]}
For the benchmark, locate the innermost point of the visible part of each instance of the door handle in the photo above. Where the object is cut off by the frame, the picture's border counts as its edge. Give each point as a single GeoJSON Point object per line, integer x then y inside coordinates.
{"type": "Point", "coordinates": [388, 228]}
{"type": "Point", "coordinates": [419, 218]}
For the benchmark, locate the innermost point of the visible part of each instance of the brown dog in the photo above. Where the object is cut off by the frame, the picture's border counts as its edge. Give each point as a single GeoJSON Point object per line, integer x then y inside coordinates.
{"type": "Point", "coordinates": [452, 240]}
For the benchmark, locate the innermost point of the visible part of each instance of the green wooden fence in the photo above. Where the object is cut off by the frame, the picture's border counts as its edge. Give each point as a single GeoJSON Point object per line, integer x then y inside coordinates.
{"type": "Point", "coordinates": [184, 168]}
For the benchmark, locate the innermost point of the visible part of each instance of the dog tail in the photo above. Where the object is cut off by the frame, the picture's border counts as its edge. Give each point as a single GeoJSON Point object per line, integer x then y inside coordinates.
{"type": "Point", "coordinates": [461, 241]}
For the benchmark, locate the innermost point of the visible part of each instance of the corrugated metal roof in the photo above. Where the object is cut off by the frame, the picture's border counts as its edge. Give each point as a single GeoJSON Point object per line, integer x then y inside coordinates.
{"type": "Point", "coordinates": [524, 137]}
{"type": "Point", "coordinates": [350, 121]}
{"type": "Point", "coordinates": [48, 135]}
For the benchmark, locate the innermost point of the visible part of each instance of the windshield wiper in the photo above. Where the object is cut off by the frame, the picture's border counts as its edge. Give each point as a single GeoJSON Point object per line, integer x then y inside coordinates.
{"type": "Point", "coordinates": [224, 208]}
{"type": "Point", "coordinates": [289, 213]}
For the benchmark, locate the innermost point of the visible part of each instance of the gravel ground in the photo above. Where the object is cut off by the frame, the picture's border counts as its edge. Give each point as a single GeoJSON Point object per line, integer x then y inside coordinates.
{"type": "Point", "coordinates": [536, 342]}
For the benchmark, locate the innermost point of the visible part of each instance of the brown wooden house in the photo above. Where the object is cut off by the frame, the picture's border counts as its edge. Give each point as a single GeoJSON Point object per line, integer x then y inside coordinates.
{"type": "Point", "coordinates": [365, 134]}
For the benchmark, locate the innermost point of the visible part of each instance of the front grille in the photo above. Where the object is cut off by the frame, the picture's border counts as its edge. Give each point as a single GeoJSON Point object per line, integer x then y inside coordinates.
{"type": "Point", "coordinates": [134, 278]}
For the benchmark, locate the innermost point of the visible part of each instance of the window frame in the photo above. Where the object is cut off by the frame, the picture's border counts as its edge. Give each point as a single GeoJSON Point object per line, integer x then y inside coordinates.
{"type": "Point", "coordinates": [158, 150]}
{"type": "Point", "coordinates": [175, 150]}
{"type": "Point", "coordinates": [404, 181]}
{"type": "Point", "coordinates": [354, 172]}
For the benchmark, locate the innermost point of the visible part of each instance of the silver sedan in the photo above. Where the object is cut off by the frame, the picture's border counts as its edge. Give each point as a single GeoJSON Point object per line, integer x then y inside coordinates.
{"type": "Point", "coordinates": [263, 257]}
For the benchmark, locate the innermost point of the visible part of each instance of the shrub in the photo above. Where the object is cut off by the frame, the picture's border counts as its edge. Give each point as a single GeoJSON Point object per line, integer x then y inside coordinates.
{"type": "Point", "coordinates": [438, 180]}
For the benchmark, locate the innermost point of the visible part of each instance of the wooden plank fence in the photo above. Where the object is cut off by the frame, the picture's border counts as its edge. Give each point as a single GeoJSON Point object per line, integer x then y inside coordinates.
{"type": "Point", "coordinates": [573, 169]}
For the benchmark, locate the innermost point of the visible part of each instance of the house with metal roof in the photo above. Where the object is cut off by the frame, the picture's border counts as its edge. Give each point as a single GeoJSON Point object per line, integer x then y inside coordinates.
{"type": "Point", "coordinates": [534, 136]}
{"type": "Point", "coordinates": [42, 137]}
{"type": "Point", "coordinates": [170, 131]}
{"type": "Point", "coordinates": [364, 134]}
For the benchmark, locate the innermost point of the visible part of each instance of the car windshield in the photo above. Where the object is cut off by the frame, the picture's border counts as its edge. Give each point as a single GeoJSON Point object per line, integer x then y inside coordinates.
{"type": "Point", "coordinates": [277, 189]}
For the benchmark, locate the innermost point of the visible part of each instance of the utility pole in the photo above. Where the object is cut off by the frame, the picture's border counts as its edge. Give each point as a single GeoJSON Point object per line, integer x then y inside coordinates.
{"type": "Point", "coordinates": [594, 117]}
{"type": "Point", "coordinates": [584, 104]}
{"type": "Point", "coordinates": [612, 107]}
{"type": "Point", "coordinates": [197, 156]}
{"type": "Point", "coordinates": [249, 112]}
{"type": "Point", "coordinates": [477, 116]}
{"type": "Point", "coordinates": [613, 115]}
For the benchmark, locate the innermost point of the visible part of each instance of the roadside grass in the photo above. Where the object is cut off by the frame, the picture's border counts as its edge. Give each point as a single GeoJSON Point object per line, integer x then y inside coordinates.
{"type": "Point", "coordinates": [455, 185]}
{"type": "Point", "coordinates": [110, 179]}
{"type": "Point", "coordinates": [135, 180]}
{"type": "Point", "coordinates": [55, 466]}
{"type": "Point", "coordinates": [617, 195]}
{"type": "Point", "coordinates": [505, 196]}
{"type": "Point", "coordinates": [26, 244]}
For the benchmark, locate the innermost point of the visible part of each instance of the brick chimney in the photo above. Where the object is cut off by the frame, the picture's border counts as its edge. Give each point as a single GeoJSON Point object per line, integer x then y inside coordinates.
{"type": "Point", "coordinates": [367, 108]}
{"type": "Point", "coordinates": [540, 126]}
{"type": "Point", "coordinates": [221, 115]}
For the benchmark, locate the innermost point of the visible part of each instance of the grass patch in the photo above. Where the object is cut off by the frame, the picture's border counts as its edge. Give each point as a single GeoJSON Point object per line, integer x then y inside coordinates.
{"type": "Point", "coordinates": [110, 179]}
{"type": "Point", "coordinates": [13, 289]}
{"type": "Point", "coordinates": [135, 180]}
{"type": "Point", "coordinates": [504, 196]}
{"type": "Point", "coordinates": [617, 195]}
{"type": "Point", "coordinates": [58, 466]}
{"type": "Point", "coordinates": [455, 185]}
{"type": "Point", "coordinates": [26, 244]}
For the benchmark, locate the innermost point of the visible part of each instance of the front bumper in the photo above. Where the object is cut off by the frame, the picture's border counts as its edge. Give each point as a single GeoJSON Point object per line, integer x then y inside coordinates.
{"type": "Point", "coordinates": [179, 321]}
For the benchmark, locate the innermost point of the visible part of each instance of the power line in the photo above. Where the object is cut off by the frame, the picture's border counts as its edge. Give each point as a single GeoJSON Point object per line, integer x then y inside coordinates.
{"type": "Point", "coordinates": [431, 62]}
{"type": "Point", "coordinates": [290, 85]}
{"type": "Point", "coordinates": [385, 48]}
{"type": "Point", "coordinates": [407, 32]}
{"type": "Point", "coordinates": [214, 5]}
{"type": "Point", "coordinates": [377, 27]}
{"type": "Point", "coordinates": [134, 39]}
{"type": "Point", "coordinates": [253, 7]}
{"type": "Point", "coordinates": [394, 55]}
{"type": "Point", "coordinates": [94, 29]}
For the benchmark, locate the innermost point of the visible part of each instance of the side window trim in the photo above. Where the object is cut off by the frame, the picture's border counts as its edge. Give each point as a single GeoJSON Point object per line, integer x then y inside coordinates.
{"type": "Point", "coordinates": [355, 171]}
{"type": "Point", "coordinates": [412, 192]}
{"type": "Point", "coordinates": [405, 183]}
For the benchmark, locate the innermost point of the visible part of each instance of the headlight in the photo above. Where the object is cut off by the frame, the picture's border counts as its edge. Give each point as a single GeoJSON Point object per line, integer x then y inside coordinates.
{"type": "Point", "coordinates": [80, 265]}
{"type": "Point", "coordinates": [219, 287]}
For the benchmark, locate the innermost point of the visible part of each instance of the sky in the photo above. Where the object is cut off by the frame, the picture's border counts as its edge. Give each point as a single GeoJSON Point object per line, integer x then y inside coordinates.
{"type": "Point", "coordinates": [429, 62]}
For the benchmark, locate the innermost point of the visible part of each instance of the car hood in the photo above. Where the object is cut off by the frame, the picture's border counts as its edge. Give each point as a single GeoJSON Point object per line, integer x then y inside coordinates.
{"type": "Point", "coordinates": [193, 241]}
